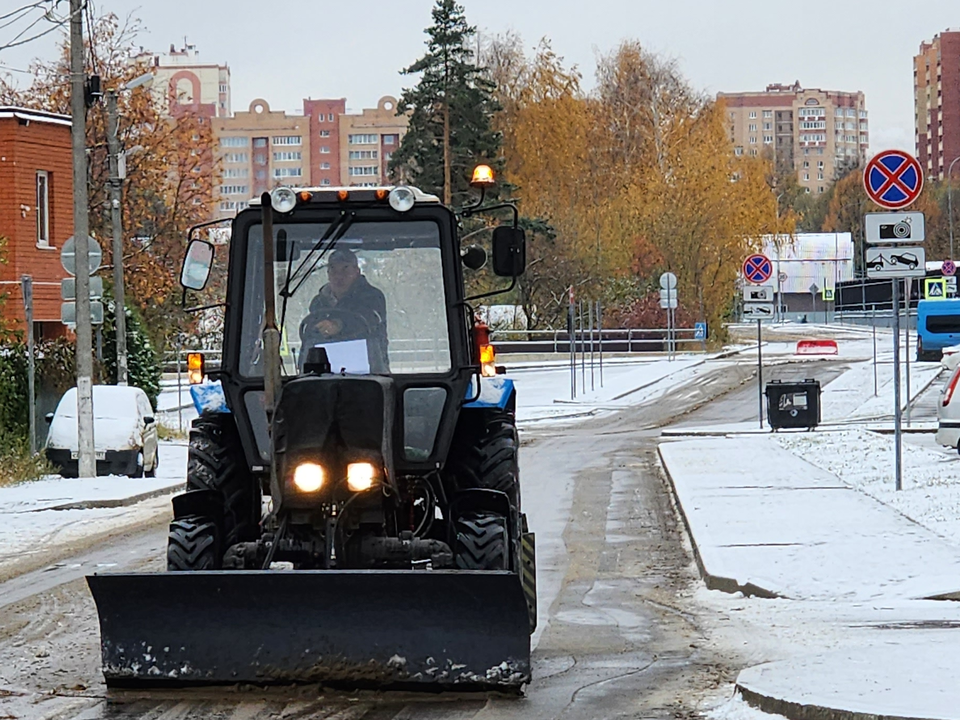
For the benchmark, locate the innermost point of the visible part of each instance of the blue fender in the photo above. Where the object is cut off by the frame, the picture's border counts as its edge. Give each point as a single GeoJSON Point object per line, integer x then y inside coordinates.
{"type": "Point", "coordinates": [495, 392]}
{"type": "Point", "coordinates": [208, 397]}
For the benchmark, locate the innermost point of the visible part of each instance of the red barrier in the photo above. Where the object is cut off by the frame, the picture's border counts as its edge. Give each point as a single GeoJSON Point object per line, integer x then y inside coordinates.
{"type": "Point", "coordinates": [817, 347]}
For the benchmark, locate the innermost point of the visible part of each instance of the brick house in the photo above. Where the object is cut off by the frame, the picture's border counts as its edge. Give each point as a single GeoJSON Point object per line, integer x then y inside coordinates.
{"type": "Point", "coordinates": [36, 212]}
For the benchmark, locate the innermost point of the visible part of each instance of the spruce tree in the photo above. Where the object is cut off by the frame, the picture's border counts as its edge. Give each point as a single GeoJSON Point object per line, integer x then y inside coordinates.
{"type": "Point", "coordinates": [450, 109]}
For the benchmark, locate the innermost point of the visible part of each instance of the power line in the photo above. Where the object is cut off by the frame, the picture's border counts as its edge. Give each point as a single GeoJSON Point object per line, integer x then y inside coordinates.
{"type": "Point", "coordinates": [47, 15]}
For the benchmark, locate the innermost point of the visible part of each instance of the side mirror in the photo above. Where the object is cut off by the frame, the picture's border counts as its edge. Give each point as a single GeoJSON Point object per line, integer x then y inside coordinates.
{"type": "Point", "coordinates": [509, 251]}
{"type": "Point", "coordinates": [473, 257]}
{"type": "Point", "coordinates": [148, 420]}
{"type": "Point", "coordinates": [196, 265]}
{"type": "Point", "coordinates": [48, 417]}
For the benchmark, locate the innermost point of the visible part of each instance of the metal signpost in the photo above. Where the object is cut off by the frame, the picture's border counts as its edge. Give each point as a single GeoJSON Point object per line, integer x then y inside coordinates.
{"type": "Point", "coordinates": [893, 179]}
{"type": "Point", "coordinates": [758, 304]}
{"type": "Point", "coordinates": [26, 285]}
{"type": "Point", "coordinates": [68, 286]}
{"type": "Point", "coordinates": [668, 301]}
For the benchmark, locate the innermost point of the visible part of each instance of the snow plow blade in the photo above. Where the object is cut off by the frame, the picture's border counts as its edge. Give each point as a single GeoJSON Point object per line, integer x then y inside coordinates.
{"type": "Point", "coordinates": [358, 628]}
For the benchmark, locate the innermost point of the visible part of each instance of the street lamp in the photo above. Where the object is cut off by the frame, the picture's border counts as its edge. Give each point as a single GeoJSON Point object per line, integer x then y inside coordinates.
{"type": "Point", "coordinates": [950, 201]}
{"type": "Point", "coordinates": [116, 181]}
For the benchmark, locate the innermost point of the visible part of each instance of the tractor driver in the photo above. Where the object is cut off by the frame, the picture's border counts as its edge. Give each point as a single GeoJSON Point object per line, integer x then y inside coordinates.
{"type": "Point", "coordinates": [348, 308]}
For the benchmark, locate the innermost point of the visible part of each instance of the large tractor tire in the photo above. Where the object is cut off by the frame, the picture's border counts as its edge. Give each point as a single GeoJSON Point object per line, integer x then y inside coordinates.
{"type": "Point", "coordinates": [483, 542]}
{"type": "Point", "coordinates": [192, 545]}
{"type": "Point", "coordinates": [484, 455]}
{"type": "Point", "coordinates": [216, 462]}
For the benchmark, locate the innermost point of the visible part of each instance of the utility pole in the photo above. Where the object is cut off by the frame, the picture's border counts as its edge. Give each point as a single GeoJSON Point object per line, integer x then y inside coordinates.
{"type": "Point", "coordinates": [87, 464]}
{"type": "Point", "coordinates": [120, 315]}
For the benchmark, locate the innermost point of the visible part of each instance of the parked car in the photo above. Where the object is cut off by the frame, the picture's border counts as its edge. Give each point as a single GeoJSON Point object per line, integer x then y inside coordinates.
{"type": "Point", "coordinates": [948, 412]}
{"type": "Point", "coordinates": [124, 433]}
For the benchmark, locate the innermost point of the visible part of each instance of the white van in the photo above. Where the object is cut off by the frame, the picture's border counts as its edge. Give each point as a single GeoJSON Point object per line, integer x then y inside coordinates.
{"type": "Point", "coordinates": [124, 433]}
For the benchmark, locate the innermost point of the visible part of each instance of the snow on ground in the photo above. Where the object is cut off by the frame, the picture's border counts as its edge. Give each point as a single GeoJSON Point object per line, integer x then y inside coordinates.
{"type": "Point", "coordinates": [865, 460]}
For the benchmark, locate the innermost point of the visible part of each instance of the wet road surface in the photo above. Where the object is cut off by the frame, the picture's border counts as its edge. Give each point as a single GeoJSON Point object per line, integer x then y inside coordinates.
{"type": "Point", "coordinates": [619, 635]}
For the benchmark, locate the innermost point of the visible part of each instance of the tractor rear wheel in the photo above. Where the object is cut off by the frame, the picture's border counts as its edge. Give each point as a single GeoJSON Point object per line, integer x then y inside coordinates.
{"type": "Point", "coordinates": [192, 544]}
{"type": "Point", "coordinates": [216, 462]}
{"type": "Point", "coordinates": [486, 456]}
{"type": "Point", "coordinates": [483, 542]}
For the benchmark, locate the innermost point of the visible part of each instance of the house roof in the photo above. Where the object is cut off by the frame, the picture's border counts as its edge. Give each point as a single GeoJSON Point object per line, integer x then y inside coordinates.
{"type": "Point", "coordinates": [20, 113]}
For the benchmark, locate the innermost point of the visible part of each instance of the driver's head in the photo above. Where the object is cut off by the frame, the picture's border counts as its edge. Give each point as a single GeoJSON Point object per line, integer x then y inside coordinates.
{"type": "Point", "coordinates": [342, 269]}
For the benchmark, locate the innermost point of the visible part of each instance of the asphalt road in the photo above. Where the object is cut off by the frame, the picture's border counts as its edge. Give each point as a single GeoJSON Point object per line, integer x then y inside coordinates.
{"type": "Point", "coordinates": [620, 634]}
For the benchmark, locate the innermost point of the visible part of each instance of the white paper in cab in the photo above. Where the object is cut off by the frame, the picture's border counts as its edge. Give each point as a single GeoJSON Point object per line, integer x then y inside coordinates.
{"type": "Point", "coordinates": [349, 356]}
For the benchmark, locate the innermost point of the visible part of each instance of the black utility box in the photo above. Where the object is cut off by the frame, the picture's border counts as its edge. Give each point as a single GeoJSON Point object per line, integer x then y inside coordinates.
{"type": "Point", "coordinates": [793, 404]}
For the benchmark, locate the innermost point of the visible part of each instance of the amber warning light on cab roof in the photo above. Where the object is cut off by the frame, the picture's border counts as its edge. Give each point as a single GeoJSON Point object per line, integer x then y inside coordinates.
{"type": "Point", "coordinates": [482, 175]}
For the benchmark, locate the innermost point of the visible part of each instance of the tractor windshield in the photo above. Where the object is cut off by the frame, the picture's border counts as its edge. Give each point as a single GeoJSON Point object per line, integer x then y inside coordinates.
{"type": "Point", "coordinates": [370, 293]}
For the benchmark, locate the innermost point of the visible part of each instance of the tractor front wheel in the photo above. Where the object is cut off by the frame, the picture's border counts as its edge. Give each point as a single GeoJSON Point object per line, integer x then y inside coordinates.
{"type": "Point", "coordinates": [483, 542]}
{"type": "Point", "coordinates": [192, 544]}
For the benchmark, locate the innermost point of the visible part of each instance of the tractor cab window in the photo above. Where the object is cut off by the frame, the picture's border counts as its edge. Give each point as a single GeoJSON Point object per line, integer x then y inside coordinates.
{"type": "Point", "coordinates": [372, 296]}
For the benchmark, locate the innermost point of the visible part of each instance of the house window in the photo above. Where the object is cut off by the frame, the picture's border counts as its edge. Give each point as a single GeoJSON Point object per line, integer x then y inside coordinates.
{"type": "Point", "coordinates": [326, 181]}
{"type": "Point", "coordinates": [767, 139]}
{"type": "Point", "coordinates": [287, 172]}
{"type": "Point", "coordinates": [768, 113]}
{"type": "Point", "coordinates": [324, 133]}
{"type": "Point", "coordinates": [364, 170]}
{"type": "Point", "coordinates": [330, 117]}
{"type": "Point", "coordinates": [259, 142]}
{"type": "Point", "coordinates": [365, 139]}
{"type": "Point", "coordinates": [325, 150]}
{"type": "Point", "coordinates": [233, 189]}
{"type": "Point", "coordinates": [234, 142]}
{"type": "Point", "coordinates": [389, 139]}
{"type": "Point", "coordinates": [753, 127]}
{"type": "Point", "coordinates": [738, 150]}
{"type": "Point", "coordinates": [43, 209]}
{"type": "Point", "coordinates": [324, 166]}
{"type": "Point", "coordinates": [236, 158]}
{"type": "Point", "coordinates": [363, 154]}
{"type": "Point", "coordinates": [288, 140]}
{"type": "Point", "coordinates": [753, 114]}
{"type": "Point", "coordinates": [287, 155]}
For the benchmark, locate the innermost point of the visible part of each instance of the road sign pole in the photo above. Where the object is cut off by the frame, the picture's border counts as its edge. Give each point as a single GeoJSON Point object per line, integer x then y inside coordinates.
{"type": "Point", "coordinates": [87, 464]}
{"type": "Point", "coordinates": [573, 348]}
{"type": "Point", "coordinates": [898, 458]}
{"type": "Point", "coordinates": [26, 284]}
{"type": "Point", "coordinates": [906, 345]}
{"type": "Point", "coordinates": [760, 371]}
{"type": "Point", "coordinates": [874, 318]}
{"type": "Point", "coordinates": [116, 220]}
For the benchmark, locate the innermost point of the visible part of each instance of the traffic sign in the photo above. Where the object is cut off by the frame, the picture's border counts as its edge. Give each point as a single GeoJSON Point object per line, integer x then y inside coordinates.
{"type": "Point", "coordinates": [893, 179]}
{"type": "Point", "coordinates": [668, 299]}
{"type": "Point", "coordinates": [902, 227]}
{"type": "Point", "coordinates": [814, 288]}
{"type": "Point", "coordinates": [68, 288]}
{"type": "Point", "coordinates": [757, 311]}
{"type": "Point", "coordinates": [896, 262]}
{"type": "Point", "coordinates": [951, 285]}
{"type": "Point", "coordinates": [68, 313]}
{"type": "Point", "coordinates": [949, 268]}
{"type": "Point", "coordinates": [68, 255]}
{"type": "Point", "coordinates": [700, 331]}
{"type": "Point", "coordinates": [757, 269]}
{"type": "Point", "coordinates": [935, 289]}
{"type": "Point", "coordinates": [668, 281]}
{"type": "Point", "coordinates": [827, 294]}
{"type": "Point", "coordinates": [763, 293]}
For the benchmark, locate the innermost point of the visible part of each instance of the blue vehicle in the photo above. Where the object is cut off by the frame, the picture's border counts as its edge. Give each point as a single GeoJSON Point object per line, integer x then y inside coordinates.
{"type": "Point", "coordinates": [938, 326]}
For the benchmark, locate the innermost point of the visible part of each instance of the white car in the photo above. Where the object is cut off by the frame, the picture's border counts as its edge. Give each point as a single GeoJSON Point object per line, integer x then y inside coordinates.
{"type": "Point", "coordinates": [948, 412]}
{"type": "Point", "coordinates": [124, 433]}
{"type": "Point", "coordinates": [951, 357]}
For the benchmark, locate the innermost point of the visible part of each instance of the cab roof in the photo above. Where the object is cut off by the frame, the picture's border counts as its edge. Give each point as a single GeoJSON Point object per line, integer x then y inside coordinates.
{"type": "Point", "coordinates": [360, 193]}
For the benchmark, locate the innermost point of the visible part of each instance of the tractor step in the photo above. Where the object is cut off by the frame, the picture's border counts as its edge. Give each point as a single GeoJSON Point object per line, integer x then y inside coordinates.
{"type": "Point", "coordinates": [357, 628]}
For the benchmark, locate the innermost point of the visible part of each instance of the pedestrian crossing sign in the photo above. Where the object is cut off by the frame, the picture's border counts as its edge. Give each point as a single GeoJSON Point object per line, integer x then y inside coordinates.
{"type": "Point", "coordinates": [828, 294]}
{"type": "Point", "coordinates": [935, 289]}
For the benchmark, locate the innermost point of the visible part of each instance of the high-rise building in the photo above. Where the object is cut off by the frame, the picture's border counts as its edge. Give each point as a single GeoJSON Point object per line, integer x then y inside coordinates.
{"type": "Point", "coordinates": [821, 134]}
{"type": "Point", "coordinates": [936, 87]}
{"type": "Point", "coordinates": [326, 146]}
{"type": "Point", "coordinates": [183, 83]}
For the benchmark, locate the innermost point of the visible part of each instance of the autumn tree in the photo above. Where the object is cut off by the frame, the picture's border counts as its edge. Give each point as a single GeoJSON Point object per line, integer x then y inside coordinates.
{"type": "Point", "coordinates": [170, 173]}
{"type": "Point", "coordinates": [450, 110]}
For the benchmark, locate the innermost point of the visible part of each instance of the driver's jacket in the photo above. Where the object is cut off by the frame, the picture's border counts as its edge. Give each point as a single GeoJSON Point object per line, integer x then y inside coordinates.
{"type": "Point", "coordinates": [364, 315]}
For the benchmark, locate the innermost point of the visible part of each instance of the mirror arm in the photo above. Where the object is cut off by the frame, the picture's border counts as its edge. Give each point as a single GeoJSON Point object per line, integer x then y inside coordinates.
{"type": "Point", "coordinates": [475, 209]}
{"type": "Point", "coordinates": [198, 308]}
{"type": "Point", "coordinates": [512, 285]}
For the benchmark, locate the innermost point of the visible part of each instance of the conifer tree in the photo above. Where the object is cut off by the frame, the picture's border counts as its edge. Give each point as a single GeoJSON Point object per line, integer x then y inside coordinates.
{"type": "Point", "coordinates": [450, 110]}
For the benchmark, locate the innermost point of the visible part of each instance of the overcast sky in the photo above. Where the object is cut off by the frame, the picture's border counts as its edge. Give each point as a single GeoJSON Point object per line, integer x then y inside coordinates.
{"type": "Point", "coordinates": [286, 50]}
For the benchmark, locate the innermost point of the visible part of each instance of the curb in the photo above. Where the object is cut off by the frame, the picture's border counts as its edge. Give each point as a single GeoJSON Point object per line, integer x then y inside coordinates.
{"type": "Point", "coordinates": [713, 582]}
{"type": "Point", "coordinates": [115, 503]}
{"type": "Point", "coordinates": [799, 711]}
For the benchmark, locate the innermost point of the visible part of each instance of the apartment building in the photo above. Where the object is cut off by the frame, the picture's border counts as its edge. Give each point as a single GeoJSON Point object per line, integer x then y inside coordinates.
{"type": "Point", "coordinates": [820, 134]}
{"type": "Point", "coordinates": [936, 86]}
{"type": "Point", "coordinates": [36, 212]}
{"type": "Point", "coordinates": [326, 146]}
{"type": "Point", "coordinates": [184, 83]}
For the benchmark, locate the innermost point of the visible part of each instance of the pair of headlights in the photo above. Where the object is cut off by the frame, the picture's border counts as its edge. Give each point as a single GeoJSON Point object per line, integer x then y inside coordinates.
{"type": "Point", "coordinates": [309, 477]}
{"type": "Point", "coordinates": [401, 198]}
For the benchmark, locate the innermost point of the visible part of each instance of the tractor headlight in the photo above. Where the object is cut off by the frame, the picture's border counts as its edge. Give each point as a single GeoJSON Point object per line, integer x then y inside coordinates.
{"type": "Point", "coordinates": [401, 198]}
{"type": "Point", "coordinates": [283, 199]}
{"type": "Point", "coordinates": [308, 477]}
{"type": "Point", "coordinates": [361, 476]}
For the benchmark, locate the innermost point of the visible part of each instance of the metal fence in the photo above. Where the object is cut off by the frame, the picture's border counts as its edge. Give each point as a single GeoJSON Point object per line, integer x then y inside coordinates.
{"type": "Point", "coordinates": [628, 340]}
